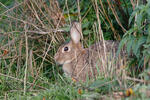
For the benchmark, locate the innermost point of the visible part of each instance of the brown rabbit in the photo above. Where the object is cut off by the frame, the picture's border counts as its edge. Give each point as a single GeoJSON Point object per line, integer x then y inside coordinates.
{"type": "Point", "coordinates": [82, 63]}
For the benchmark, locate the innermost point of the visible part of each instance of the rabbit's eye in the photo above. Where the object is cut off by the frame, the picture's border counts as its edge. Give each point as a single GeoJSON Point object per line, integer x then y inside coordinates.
{"type": "Point", "coordinates": [65, 48]}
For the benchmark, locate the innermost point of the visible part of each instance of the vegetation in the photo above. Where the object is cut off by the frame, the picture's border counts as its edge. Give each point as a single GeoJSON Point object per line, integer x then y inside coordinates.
{"type": "Point", "coordinates": [32, 30]}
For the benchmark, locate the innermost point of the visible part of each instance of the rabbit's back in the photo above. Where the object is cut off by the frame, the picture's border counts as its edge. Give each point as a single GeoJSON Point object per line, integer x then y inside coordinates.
{"type": "Point", "coordinates": [94, 59]}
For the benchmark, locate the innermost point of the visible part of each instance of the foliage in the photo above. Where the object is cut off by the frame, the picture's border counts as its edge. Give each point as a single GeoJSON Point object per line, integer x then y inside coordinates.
{"type": "Point", "coordinates": [137, 39]}
{"type": "Point", "coordinates": [89, 20]}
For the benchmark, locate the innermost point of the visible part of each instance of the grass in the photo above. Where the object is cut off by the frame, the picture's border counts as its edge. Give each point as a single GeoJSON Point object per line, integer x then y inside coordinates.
{"type": "Point", "coordinates": [30, 34]}
{"type": "Point", "coordinates": [65, 89]}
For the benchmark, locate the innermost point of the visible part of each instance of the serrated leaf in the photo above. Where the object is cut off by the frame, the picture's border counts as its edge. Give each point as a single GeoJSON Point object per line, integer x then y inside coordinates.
{"type": "Point", "coordinates": [140, 41]}
{"type": "Point", "coordinates": [141, 62]}
{"type": "Point", "coordinates": [148, 37]}
{"type": "Point", "coordinates": [148, 10]}
{"type": "Point", "coordinates": [141, 7]}
{"type": "Point", "coordinates": [134, 46]}
{"type": "Point", "coordinates": [129, 32]}
{"type": "Point", "coordinates": [133, 15]}
{"type": "Point", "coordinates": [121, 44]}
{"type": "Point", "coordinates": [139, 20]}
{"type": "Point", "coordinates": [129, 45]}
{"type": "Point", "coordinates": [137, 44]}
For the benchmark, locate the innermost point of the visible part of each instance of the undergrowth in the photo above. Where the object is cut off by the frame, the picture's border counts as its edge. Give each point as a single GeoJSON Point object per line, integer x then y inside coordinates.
{"type": "Point", "coordinates": [32, 30]}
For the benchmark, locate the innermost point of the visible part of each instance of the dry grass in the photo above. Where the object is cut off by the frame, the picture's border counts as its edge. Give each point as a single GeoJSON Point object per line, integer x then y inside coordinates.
{"type": "Point", "coordinates": [28, 41]}
{"type": "Point", "coordinates": [30, 34]}
{"type": "Point", "coordinates": [33, 32]}
{"type": "Point", "coordinates": [29, 30]}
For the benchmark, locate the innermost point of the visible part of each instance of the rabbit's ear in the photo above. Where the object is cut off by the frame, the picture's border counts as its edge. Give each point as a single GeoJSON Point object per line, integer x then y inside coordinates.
{"type": "Point", "coordinates": [75, 32]}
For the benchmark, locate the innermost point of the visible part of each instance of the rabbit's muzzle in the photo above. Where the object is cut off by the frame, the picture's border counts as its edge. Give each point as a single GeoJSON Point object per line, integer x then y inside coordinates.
{"type": "Point", "coordinates": [56, 58]}
{"type": "Point", "coordinates": [59, 59]}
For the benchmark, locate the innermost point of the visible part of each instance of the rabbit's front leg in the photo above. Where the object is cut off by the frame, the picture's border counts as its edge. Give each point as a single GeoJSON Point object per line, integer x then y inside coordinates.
{"type": "Point", "coordinates": [67, 69]}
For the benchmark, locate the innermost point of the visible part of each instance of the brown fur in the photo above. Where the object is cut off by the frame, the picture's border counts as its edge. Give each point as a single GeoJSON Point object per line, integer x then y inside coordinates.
{"type": "Point", "coordinates": [81, 63]}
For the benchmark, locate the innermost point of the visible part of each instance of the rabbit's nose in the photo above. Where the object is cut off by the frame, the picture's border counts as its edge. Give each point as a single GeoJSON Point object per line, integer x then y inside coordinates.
{"type": "Point", "coordinates": [56, 57]}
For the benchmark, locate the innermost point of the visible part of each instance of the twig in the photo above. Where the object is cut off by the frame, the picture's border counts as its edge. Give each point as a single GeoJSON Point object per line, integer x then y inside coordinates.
{"type": "Point", "coordinates": [138, 80]}
{"type": "Point", "coordinates": [42, 63]}
{"type": "Point", "coordinates": [10, 8]}
{"type": "Point", "coordinates": [23, 21]}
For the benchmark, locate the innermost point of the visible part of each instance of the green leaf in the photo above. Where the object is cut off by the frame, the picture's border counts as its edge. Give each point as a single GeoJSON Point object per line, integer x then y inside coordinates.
{"type": "Point", "coordinates": [121, 44]}
{"type": "Point", "coordinates": [137, 44]}
{"type": "Point", "coordinates": [133, 15]}
{"type": "Point", "coordinates": [67, 29]}
{"type": "Point", "coordinates": [85, 24]}
{"type": "Point", "coordinates": [129, 32]}
{"type": "Point", "coordinates": [139, 20]}
{"type": "Point", "coordinates": [141, 62]}
{"type": "Point", "coordinates": [86, 32]}
{"type": "Point", "coordinates": [148, 38]}
{"type": "Point", "coordinates": [98, 83]}
{"type": "Point", "coordinates": [129, 44]}
{"type": "Point", "coordinates": [133, 47]}
{"type": "Point", "coordinates": [91, 95]}
{"type": "Point", "coordinates": [148, 11]}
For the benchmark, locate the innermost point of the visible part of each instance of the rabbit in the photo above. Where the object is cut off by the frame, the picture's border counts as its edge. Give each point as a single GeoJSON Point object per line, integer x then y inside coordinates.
{"type": "Point", "coordinates": [84, 63]}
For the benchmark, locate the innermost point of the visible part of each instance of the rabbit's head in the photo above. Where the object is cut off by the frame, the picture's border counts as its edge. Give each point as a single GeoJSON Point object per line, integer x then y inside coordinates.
{"type": "Point", "coordinates": [69, 51]}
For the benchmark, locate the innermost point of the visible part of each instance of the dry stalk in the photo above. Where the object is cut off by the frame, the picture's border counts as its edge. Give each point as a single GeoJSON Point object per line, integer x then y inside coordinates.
{"type": "Point", "coordinates": [125, 16]}
{"type": "Point", "coordinates": [137, 80]}
{"type": "Point", "coordinates": [66, 3]}
{"type": "Point", "coordinates": [34, 11]}
{"type": "Point", "coordinates": [19, 56]}
{"type": "Point", "coordinates": [116, 35]}
{"type": "Point", "coordinates": [11, 9]}
{"type": "Point", "coordinates": [30, 63]}
{"type": "Point", "coordinates": [100, 29]}
{"type": "Point", "coordinates": [26, 64]}
{"type": "Point", "coordinates": [116, 16]}
{"type": "Point", "coordinates": [137, 4]}
{"type": "Point", "coordinates": [41, 66]}
{"type": "Point", "coordinates": [79, 15]}
{"type": "Point", "coordinates": [23, 21]}
{"type": "Point", "coordinates": [86, 12]}
{"type": "Point", "coordinates": [33, 20]}
{"type": "Point", "coordinates": [133, 4]}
